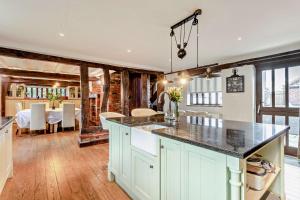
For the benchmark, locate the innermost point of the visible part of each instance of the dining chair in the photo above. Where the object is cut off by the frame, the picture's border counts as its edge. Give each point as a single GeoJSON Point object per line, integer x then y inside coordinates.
{"type": "Point", "coordinates": [105, 115]}
{"type": "Point", "coordinates": [142, 112]}
{"type": "Point", "coordinates": [38, 117]}
{"type": "Point", "coordinates": [68, 116]}
{"type": "Point", "coordinates": [19, 107]}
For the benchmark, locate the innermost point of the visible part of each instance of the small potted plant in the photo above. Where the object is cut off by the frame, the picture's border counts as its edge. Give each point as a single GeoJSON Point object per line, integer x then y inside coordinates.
{"type": "Point", "coordinates": [176, 97]}
{"type": "Point", "coordinates": [54, 98]}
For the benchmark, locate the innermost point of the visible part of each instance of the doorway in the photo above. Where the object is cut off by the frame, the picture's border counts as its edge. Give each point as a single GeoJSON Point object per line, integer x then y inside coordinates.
{"type": "Point", "coordinates": [278, 98]}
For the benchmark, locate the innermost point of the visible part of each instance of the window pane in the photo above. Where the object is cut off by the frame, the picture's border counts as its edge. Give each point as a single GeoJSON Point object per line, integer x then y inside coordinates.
{"type": "Point", "coordinates": [44, 92]}
{"type": "Point", "coordinates": [267, 88]}
{"type": "Point", "coordinates": [200, 98]}
{"type": "Point", "coordinates": [280, 87]}
{"type": "Point", "coordinates": [294, 131]}
{"type": "Point", "coordinates": [194, 98]}
{"type": "Point", "coordinates": [294, 87]}
{"type": "Point", "coordinates": [213, 98]}
{"type": "Point", "coordinates": [220, 98]}
{"type": "Point", "coordinates": [188, 99]}
{"type": "Point", "coordinates": [206, 98]}
{"type": "Point", "coordinates": [267, 119]}
{"type": "Point", "coordinates": [63, 93]}
{"type": "Point", "coordinates": [39, 92]}
{"type": "Point", "coordinates": [28, 93]}
{"type": "Point", "coordinates": [280, 120]}
{"type": "Point", "coordinates": [34, 93]}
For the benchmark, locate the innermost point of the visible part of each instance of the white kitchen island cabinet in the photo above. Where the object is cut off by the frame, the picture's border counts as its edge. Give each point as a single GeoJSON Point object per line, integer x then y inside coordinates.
{"type": "Point", "coordinates": [6, 158]}
{"type": "Point", "coordinates": [153, 159]}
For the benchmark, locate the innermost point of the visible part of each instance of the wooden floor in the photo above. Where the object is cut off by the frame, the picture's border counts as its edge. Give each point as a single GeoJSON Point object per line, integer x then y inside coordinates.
{"type": "Point", "coordinates": [52, 166]}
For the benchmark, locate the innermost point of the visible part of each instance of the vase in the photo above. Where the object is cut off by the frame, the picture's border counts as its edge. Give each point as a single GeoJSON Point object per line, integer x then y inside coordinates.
{"type": "Point", "coordinates": [176, 111]}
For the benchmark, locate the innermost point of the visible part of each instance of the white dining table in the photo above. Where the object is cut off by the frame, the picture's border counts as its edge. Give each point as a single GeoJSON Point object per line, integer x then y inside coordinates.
{"type": "Point", "coordinates": [53, 116]}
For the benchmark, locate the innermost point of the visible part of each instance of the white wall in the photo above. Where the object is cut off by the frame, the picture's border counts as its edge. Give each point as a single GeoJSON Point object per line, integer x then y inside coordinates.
{"type": "Point", "coordinates": [236, 106]}
{"type": "Point", "coordinates": [240, 106]}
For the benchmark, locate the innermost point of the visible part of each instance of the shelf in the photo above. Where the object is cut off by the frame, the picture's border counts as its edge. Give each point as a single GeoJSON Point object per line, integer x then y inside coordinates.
{"type": "Point", "coordinates": [256, 195]}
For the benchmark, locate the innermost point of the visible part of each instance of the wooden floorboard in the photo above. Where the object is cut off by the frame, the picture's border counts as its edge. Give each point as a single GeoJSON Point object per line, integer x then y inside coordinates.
{"type": "Point", "coordinates": [52, 166]}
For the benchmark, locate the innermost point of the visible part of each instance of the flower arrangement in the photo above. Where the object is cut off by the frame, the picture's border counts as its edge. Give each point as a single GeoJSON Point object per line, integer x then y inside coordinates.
{"type": "Point", "coordinates": [53, 98]}
{"type": "Point", "coordinates": [176, 97]}
{"type": "Point", "coordinates": [175, 94]}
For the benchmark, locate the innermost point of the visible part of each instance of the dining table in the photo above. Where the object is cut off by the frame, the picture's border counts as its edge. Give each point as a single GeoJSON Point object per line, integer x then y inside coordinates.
{"type": "Point", "coordinates": [53, 116]}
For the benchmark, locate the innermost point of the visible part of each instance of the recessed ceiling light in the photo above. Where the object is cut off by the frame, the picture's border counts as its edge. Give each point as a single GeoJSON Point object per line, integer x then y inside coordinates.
{"type": "Point", "coordinates": [128, 51]}
{"type": "Point", "coordinates": [61, 34]}
{"type": "Point", "coordinates": [239, 38]}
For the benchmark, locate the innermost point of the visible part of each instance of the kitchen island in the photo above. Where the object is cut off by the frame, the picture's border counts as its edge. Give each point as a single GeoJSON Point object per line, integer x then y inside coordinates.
{"type": "Point", "coordinates": [6, 157]}
{"type": "Point", "coordinates": [195, 158]}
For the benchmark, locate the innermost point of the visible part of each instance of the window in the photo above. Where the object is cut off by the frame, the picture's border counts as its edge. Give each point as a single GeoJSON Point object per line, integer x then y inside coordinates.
{"type": "Point", "coordinates": [204, 91]}
{"type": "Point", "coordinates": [42, 92]}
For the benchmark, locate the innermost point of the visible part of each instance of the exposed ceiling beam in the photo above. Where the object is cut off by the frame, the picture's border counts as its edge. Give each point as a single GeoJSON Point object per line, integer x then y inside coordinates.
{"type": "Point", "coordinates": [70, 61]}
{"type": "Point", "coordinates": [42, 82]}
{"type": "Point", "coordinates": [35, 74]}
{"type": "Point", "coordinates": [280, 57]}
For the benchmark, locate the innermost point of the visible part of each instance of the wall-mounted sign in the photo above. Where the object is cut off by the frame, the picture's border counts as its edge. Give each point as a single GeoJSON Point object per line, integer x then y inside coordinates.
{"type": "Point", "coordinates": [235, 83]}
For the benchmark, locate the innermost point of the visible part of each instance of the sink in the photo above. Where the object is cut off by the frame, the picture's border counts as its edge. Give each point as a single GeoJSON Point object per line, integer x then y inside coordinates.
{"type": "Point", "coordinates": [143, 139]}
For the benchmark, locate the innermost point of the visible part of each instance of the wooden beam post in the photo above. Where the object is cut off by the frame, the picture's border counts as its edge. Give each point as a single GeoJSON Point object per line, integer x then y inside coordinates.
{"type": "Point", "coordinates": [160, 89]}
{"type": "Point", "coordinates": [85, 103]}
{"type": "Point", "coordinates": [125, 92]}
{"type": "Point", "coordinates": [106, 88]}
{"type": "Point", "coordinates": [3, 93]}
{"type": "Point", "coordinates": [145, 93]}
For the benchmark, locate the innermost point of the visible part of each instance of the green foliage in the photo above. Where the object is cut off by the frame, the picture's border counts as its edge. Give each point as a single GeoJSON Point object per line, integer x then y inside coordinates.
{"type": "Point", "coordinates": [175, 94]}
{"type": "Point", "coordinates": [54, 97]}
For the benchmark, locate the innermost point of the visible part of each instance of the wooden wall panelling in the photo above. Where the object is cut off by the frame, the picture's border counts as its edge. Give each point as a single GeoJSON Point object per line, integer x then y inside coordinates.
{"type": "Point", "coordinates": [125, 92]}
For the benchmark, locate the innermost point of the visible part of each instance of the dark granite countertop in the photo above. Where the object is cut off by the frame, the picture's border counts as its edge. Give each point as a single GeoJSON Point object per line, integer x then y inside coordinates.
{"type": "Point", "coordinates": [5, 121]}
{"type": "Point", "coordinates": [235, 138]}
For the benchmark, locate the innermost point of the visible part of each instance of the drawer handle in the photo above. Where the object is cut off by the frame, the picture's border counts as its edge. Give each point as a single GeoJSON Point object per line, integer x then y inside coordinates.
{"type": "Point", "coordinates": [162, 146]}
{"type": "Point", "coordinates": [151, 166]}
{"type": "Point", "coordinates": [126, 134]}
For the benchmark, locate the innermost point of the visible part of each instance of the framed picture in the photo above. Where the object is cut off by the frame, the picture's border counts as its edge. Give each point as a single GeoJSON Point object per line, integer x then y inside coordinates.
{"type": "Point", "coordinates": [234, 84]}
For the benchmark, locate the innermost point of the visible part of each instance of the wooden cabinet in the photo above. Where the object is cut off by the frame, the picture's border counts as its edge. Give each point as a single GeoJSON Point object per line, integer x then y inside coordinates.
{"type": "Point", "coordinates": [204, 174]}
{"type": "Point", "coordinates": [6, 159]}
{"type": "Point", "coordinates": [170, 169]}
{"type": "Point", "coordinates": [191, 173]}
{"type": "Point", "coordinates": [145, 176]}
{"type": "Point", "coordinates": [125, 156]}
{"type": "Point", "coordinates": [114, 148]}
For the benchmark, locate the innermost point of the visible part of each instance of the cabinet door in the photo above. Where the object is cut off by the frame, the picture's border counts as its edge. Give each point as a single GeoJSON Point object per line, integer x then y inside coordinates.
{"type": "Point", "coordinates": [170, 169]}
{"type": "Point", "coordinates": [143, 177]}
{"type": "Point", "coordinates": [125, 156]}
{"type": "Point", "coordinates": [204, 174]}
{"type": "Point", "coordinates": [114, 133]}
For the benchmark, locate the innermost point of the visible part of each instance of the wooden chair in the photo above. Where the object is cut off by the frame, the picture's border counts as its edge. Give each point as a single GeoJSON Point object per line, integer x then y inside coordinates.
{"type": "Point", "coordinates": [38, 117]}
{"type": "Point", "coordinates": [143, 112]}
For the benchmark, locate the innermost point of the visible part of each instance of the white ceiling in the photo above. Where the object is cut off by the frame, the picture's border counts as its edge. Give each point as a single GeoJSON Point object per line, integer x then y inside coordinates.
{"type": "Point", "coordinates": [103, 30]}
{"type": "Point", "coordinates": [43, 66]}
